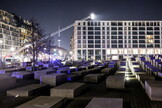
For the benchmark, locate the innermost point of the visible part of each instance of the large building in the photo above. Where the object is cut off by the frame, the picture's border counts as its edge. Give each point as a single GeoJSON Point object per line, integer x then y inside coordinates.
{"type": "Point", "coordinates": [9, 33]}
{"type": "Point", "coordinates": [15, 32]}
{"type": "Point", "coordinates": [98, 40]}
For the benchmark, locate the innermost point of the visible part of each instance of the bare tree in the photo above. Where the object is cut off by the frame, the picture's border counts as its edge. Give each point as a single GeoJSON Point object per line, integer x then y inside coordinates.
{"type": "Point", "coordinates": [36, 42]}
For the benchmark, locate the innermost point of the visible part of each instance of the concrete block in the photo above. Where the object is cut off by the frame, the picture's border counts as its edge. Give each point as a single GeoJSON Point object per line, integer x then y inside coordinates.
{"type": "Point", "coordinates": [69, 90]}
{"type": "Point", "coordinates": [5, 75]}
{"type": "Point", "coordinates": [28, 90]}
{"type": "Point", "coordinates": [115, 81]}
{"type": "Point", "coordinates": [38, 74]}
{"type": "Point", "coordinates": [63, 71]}
{"type": "Point", "coordinates": [7, 83]}
{"type": "Point", "coordinates": [72, 77]}
{"type": "Point", "coordinates": [120, 72]}
{"type": "Point", "coordinates": [81, 73]}
{"type": "Point", "coordinates": [2, 71]}
{"type": "Point", "coordinates": [105, 103]}
{"type": "Point", "coordinates": [54, 79]}
{"type": "Point", "coordinates": [106, 70]}
{"type": "Point", "coordinates": [153, 90]}
{"type": "Point", "coordinates": [46, 65]}
{"type": "Point", "coordinates": [43, 102]}
{"type": "Point", "coordinates": [94, 78]}
{"type": "Point", "coordinates": [23, 75]}
{"type": "Point", "coordinates": [28, 68]}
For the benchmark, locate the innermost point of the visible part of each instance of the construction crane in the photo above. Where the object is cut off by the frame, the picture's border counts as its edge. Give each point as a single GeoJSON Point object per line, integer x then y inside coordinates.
{"type": "Point", "coordinates": [92, 16]}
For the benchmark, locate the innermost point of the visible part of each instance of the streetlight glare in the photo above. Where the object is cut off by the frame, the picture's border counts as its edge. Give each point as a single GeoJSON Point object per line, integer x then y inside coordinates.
{"type": "Point", "coordinates": [1, 41]}
{"type": "Point", "coordinates": [92, 15]}
{"type": "Point", "coordinates": [12, 49]}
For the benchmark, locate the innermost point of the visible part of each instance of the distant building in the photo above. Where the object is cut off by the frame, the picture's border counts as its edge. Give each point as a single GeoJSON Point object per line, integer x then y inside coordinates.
{"type": "Point", "coordinates": [9, 33]}
{"type": "Point", "coordinates": [14, 31]}
{"type": "Point", "coordinates": [98, 40]}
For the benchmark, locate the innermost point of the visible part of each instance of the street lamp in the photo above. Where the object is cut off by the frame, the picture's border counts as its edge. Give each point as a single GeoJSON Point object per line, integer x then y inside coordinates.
{"type": "Point", "coordinates": [92, 16]}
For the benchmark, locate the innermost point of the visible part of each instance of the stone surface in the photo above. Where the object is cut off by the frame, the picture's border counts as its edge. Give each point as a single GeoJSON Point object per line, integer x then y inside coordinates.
{"type": "Point", "coordinates": [105, 103]}
{"type": "Point", "coordinates": [7, 83]}
{"type": "Point", "coordinates": [54, 79]}
{"type": "Point", "coordinates": [28, 90]}
{"type": "Point", "coordinates": [120, 72]}
{"type": "Point", "coordinates": [153, 90]}
{"type": "Point", "coordinates": [81, 73]}
{"type": "Point", "coordinates": [115, 81]}
{"type": "Point", "coordinates": [28, 68]}
{"type": "Point", "coordinates": [23, 75]}
{"type": "Point", "coordinates": [43, 102]}
{"type": "Point", "coordinates": [2, 71]}
{"type": "Point", "coordinates": [72, 77]}
{"type": "Point", "coordinates": [38, 74]}
{"type": "Point", "coordinates": [106, 70]}
{"type": "Point", "coordinates": [69, 90]}
{"type": "Point", "coordinates": [94, 78]}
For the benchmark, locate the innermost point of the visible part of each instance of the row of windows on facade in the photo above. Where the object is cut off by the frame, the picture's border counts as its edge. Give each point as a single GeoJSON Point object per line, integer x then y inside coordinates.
{"type": "Point", "coordinates": [3, 13]}
{"type": "Point", "coordinates": [119, 33]}
{"type": "Point", "coordinates": [118, 28]}
{"type": "Point", "coordinates": [7, 32]}
{"type": "Point", "coordinates": [120, 37]}
{"type": "Point", "coordinates": [11, 22]}
{"type": "Point", "coordinates": [97, 52]}
{"type": "Point", "coordinates": [122, 46]}
{"type": "Point", "coordinates": [120, 41]}
{"type": "Point", "coordinates": [11, 43]}
{"type": "Point", "coordinates": [9, 28]}
{"type": "Point", "coordinates": [9, 37]}
{"type": "Point", "coordinates": [8, 47]}
{"type": "Point", "coordinates": [94, 23]}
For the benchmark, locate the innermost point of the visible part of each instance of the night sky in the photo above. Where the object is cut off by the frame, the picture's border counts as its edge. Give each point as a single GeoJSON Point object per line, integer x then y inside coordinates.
{"type": "Point", "coordinates": [53, 13]}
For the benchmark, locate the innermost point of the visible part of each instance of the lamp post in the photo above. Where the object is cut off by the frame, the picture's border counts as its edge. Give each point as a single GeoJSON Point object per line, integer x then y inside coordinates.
{"type": "Point", "coordinates": [1, 53]}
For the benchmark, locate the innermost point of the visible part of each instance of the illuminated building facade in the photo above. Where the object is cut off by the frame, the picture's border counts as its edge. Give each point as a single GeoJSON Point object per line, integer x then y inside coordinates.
{"type": "Point", "coordinates": [14, 33]}
{"type": "Point", "coordinates": [9, 33]}
{"type": "Point", "coordinates": [99, 40]}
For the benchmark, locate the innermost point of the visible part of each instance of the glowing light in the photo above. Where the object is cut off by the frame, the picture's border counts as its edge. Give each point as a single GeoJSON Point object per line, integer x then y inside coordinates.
{"type": "Point", "coordinates": [60, 52]}
{"type": "Point", "coordinates": [127, 78]}
{"type": "Point", "coordinates": [1, 41]}
{"type": "Point", "coordinates": [70, 52]}
{"type": "Point", "coordinates": [26, 46]}
{"type": "Point", "coordinates": [12, 49]}
{"type": "Point", "coordinates": [92, 16]}
{"type": "Point", "coordinates": [17, 96]}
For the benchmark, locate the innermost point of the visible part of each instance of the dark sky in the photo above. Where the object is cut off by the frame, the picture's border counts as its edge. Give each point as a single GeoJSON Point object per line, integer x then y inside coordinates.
{"type": "Point", "coordinates": [53, 13]}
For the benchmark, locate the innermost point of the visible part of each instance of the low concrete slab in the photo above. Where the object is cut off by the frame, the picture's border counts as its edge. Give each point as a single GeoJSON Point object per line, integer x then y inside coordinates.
{"type": "Point", "coordinates": [28, 90]}
{"type": "Point", "coordinates": [7, 83]}
{"type": "Point", "coordinates": [120, 72]}
{"type": "Point", "coordinates": [72, 77]}
{"type": "Point", "coordinates": [23, 75]}
{"type": "Point", "coordinates": [28, 68]}
{"type": "Point", "coordinates": [69, 90]}
{"type": "Point", "coordinates": [94, 78]}
{"type": "Point", "coordinates": [54, 79]}
{"type": "Point", "coordinates": [115, 81]}
{"type": "Point", "coordinates": [38, 74]}
{"type": "Point", "coordinates": [105, 103]}
{"type": "Point", "coordinates": [106, 70]}
{"type": "Point", "coordinates": [81, 73]}
{"type": "Point", "coordinates": [153, 90]}
{"type": "Point", "coordinates": [5, 75]}
{"type": "Point", "coordinates": [2, 71]}
{"type": "Point", "coordinates": [43, 102]}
